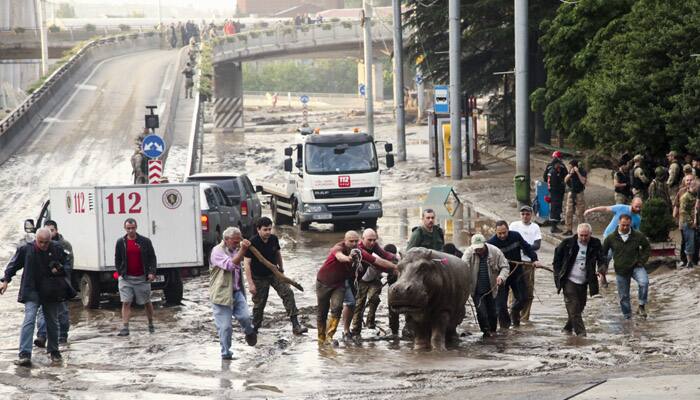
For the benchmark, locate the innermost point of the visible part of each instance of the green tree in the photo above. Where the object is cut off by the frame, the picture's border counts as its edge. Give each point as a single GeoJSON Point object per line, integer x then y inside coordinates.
{"type": "Point", "coordinates": [322, 76]}
{"type": "Point", "coordinates": [487, 45]}
{"type": "Point", "coordinates": [621, 76]}
{"type": "Point", "coordinates": [65, 10]}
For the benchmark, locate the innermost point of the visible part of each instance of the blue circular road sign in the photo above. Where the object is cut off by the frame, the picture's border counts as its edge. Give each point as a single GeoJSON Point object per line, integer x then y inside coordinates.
{"type": "Point", "coordinates": [153, 146]}
{"type": "Point", "coordinates": [362, 89]}
{"type": "Point", "coordinates": [304, 99]}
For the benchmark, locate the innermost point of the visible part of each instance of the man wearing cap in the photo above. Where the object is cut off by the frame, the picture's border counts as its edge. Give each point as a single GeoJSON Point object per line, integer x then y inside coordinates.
{"type": "Point", "coordinates": [557, 186]}
{"type": "Point", "coordinates": [639, 178]}
{"type": "Point", "coordinates": [575, 201]}
{"type": "Point", "coordinates": [675, 173]}
{"type": "Point", "coordinates": [490, 270]}
{"type": "Point", "coordinates": [530, 231]}
{"type": "Point", "coordinates": [623, 187]}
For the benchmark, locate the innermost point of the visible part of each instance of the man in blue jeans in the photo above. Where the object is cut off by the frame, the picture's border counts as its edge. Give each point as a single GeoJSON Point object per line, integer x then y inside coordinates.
{"type": "Point", "coordinates": [42, 285]}
{"type": "Point", "coordinates": [630, 249]}
{"type": "Point", "coordinates": [63, 317]}
{"type": "Point", "coordinates": [226, 290]}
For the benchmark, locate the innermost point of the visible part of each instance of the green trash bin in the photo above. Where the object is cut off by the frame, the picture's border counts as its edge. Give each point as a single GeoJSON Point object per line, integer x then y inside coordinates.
{"type": "Point", "coordinates": [522, 189]}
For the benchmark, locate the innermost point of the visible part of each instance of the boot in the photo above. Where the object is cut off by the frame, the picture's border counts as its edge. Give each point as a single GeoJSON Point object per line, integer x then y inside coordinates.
{"type": "Point", "coordinates": [370, 316]}
{"type": "Point", "coordinates": [515, 318]}
{"type": "Point", "coordinates": [321, 332]}
{"type": "Point", "coordinates": [554, 228]}
{"type": "Point", "coordinates": [297, 328]}
{"type": "Point", "coordinates": [333, 322]}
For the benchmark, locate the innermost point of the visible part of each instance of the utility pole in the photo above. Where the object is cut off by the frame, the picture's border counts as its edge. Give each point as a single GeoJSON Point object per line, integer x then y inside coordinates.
{"type": "Point", "coordinates": [369, 90]}
{"type": "Point", "coordinates": [160, 16]}
{"type": "Point", "coordinates": [455, 92]}
{"type": "Point", "coordinates": [41, 22]}
{"type": "Point", "coordinates": [398, 83]}
{"type": "Point", "coordinates": [522, 138]}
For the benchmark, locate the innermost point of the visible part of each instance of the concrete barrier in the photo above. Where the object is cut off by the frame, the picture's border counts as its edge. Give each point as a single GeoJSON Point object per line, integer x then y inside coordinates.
{"type": "Point", "coordinates": [28, 116]}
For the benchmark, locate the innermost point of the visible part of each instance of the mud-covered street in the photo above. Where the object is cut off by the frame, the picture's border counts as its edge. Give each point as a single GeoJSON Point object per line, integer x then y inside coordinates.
{"type": "Point", "coordinates": [181, 359]}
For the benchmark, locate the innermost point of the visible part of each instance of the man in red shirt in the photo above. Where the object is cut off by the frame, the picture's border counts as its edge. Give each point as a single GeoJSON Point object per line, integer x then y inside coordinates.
{"type": "Point", "coordinates": [135, 261]}
{"type": "Point", "coordinates": [339, 266]}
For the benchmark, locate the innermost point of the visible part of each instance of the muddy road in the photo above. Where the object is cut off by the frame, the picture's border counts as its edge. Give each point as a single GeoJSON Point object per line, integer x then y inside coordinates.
{"type": "Point", "coordinates": [181, 359]}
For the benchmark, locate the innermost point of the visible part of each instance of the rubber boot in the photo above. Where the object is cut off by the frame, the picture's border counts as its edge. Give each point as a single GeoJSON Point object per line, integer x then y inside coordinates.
{"type": "Point", "coordinates": [371, 312]}
{"type": "Point", "coordinates": [321, 326]}
{"type": "Point", "coordinates": [332, 327]}
{"type": "Point", "coordinates": [297, 328]}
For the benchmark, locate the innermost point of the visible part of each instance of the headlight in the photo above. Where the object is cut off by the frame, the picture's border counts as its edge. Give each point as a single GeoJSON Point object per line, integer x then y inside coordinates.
{"type": "Point", "coordinates": [313, 208]}
{"type": "Point", "coordinates": [374, 206]}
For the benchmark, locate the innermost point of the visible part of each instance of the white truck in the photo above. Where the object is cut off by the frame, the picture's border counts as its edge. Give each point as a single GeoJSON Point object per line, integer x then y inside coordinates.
{"type": "Point", "coordinates": [92, 219]}
{"type": "Point", "coordinates": [337, 180]}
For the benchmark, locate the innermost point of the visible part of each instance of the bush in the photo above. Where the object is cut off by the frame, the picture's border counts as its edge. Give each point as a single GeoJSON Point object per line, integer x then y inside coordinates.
{"type": "Point", "coordinates": [255, 34]}
{"type": "Point", "coordinates": [304, 28]}
{"type": "Point", "coordinates": [335, 19]}
{"type": "Point", "coordinates": [242, 37]}
{"type": "Point", "coordinates": [90, 28]}
{"type": "Point", "coordinates": [19, 30]}
{"type": "Point", "coordinates": [149, 34]}
{"type": "Point", "coordinates": [657, 221]}
{"type": "Point", "coordinates": [326, 27]}
{"type": "Point", "coordinates": [54, 29]}
{"type": "Point", "coordinates": [288, 31]}
{"type": "Point", "coordinates": [124, 27]}
{"type": "Point", "coordinates": [230, 39]}
{"type": "Point", "coordinates": [270, 33]}
{"type": "Point", "coordinates": [133, 36]}
{"type": "Point", "coordinates": [346, 24]}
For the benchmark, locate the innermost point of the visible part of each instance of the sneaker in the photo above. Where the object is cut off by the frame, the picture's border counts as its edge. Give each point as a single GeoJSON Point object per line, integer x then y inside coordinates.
{"type": "Point", "coordinates": [566, 331]}
{"type": "Point", "coordinates": [227, 357]}
{"type": "Point", "coordinates": [40, 342]}
{"type": "Point", "coordinates": [123, 332]}
{"type": "Point", "coordinates": [642, 311]}
{"type": "Point", "coordinates": [24, 360]}
{"type": "Point", "coordinates": [56, 356]}
{"type": "Point", "coordinates": [151, 328]}
{"type": "Point", "coordinates": [568, 233]}
{"type": "Point", "coordinates": [251, 339]}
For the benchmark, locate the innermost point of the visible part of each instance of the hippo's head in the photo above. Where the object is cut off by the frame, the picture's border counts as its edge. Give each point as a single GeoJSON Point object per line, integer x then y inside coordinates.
{"type": "Point", "coordinates": [420, 281]}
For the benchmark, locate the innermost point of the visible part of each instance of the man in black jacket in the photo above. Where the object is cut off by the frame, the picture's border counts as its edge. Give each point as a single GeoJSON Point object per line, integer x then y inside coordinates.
{"type": "Point", "coordinates": [575, 261]}
{"type": "Point", "coordinates": [43, 284]}
{"type": "Point", "coordinates": [136, 263]}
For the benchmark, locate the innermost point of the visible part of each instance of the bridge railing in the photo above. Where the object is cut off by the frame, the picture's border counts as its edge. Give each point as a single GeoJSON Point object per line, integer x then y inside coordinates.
{"type": "Point", "coordinates": [277, 37]}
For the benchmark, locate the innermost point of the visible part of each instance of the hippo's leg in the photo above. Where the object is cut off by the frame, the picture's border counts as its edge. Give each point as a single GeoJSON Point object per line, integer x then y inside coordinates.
{"type": "Point", "coordinates": [439, 330]}
{"type": "Point", "coordinates": [421, 339]}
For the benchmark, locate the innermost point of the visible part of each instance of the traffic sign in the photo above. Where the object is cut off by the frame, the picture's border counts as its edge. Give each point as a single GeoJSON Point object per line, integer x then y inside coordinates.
{"type": "Point", "coordinates": [155, 171]}
{"type": "Point", "coordinates": [153, 146]}
{"type": "Point", "coordinates": [442, 99]}
{"type": "Point", "coordinates": [362, 89]}
{"type": "Point", "coordinates": [304, 99]}
{"type": "Point", "coordinates": [419, 79]}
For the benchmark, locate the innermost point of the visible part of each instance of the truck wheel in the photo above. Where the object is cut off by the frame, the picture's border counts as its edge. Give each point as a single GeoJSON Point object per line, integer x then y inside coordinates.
{"type": "Point", "coordinates": [173, 287]}
{"type": "Point", "coordinates": [278, 218]}
{"type": "Point", "coordinates": [89, 290]}
{"type": "Point", "coordinates": [304, 226]}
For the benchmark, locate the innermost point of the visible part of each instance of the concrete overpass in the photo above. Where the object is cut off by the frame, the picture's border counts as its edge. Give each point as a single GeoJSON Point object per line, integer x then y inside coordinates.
{"type": "Point", "coordinates": [327, 40]}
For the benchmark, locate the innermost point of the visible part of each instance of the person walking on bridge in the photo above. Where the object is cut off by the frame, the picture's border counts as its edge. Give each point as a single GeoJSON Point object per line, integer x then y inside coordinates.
{"type": "Point", "coordinates": [188, 72]}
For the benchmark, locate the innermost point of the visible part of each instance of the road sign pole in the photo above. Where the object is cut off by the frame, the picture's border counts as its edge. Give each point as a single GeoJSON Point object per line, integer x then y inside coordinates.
{"type": "Point", "coordinates": [455, 92]}
{"type": "Point", "coordinates": [369, 98]}
{"type": "Point", "coordinates": [398, 83]}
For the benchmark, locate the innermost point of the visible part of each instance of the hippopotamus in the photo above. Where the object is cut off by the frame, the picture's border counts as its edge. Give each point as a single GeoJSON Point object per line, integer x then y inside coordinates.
{"type": "Point", "coordinates": [432, 290]}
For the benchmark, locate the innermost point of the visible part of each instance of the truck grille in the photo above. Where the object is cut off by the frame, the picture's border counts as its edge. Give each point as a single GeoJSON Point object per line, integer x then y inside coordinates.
{"type": "Point", "coordinates": [344, 208]}
{"type": "Point", "coordinates": [342, 193]}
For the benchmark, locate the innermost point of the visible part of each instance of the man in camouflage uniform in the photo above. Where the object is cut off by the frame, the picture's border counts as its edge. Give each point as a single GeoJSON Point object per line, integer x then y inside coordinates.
{"type": "Point", "coordinates": [639, 178]}
{"type": "Point", "coordinates": [659, 189]}
{"type": "Point", "coordinates": [575, 200]}
{"type": "Point", "coordinates": [139, 166]}
{"type": "Point", "coordinates": [675, 173]}
{"type": "Point", "coordinates": [427, 235]}
{"type": "Point", "coordinates": [623, 188]}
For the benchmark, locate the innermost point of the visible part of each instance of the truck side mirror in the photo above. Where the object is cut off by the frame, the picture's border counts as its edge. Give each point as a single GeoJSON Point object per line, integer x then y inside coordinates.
{"type": "Point", "coordinates": [388, 147]}
{"type": "Point", "coordinates": [389, 160]}
{"type": "Point", "coordinates": [288, 151]}
{"type": "Point", "coordinates": [258, 188]}
{"type": "Point", "coordinates": [288, 164]}
{"type": "Point", "coordinates": [29, 226]}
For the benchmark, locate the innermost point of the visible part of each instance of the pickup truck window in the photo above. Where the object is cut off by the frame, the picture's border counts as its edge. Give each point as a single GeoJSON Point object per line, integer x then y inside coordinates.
{"type": "Point", "coordinates": [221, 197]}
{"type": "Point", "coordinates": [211, 198]}
{"type": "Point", "coordinates": [340, 158]}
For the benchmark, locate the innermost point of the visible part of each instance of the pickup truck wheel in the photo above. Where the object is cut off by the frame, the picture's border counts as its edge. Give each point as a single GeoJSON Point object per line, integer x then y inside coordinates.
{"type": "Point", "coordinates": [173, 287]}
{"type": "Point", "coordinates": [89, 290]}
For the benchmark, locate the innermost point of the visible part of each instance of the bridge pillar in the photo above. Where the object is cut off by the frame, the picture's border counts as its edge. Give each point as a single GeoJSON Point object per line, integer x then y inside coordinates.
{"type": "Point", "coordinates": [228, 96]}
{"type": "Point", "coordinates": [378, 80]}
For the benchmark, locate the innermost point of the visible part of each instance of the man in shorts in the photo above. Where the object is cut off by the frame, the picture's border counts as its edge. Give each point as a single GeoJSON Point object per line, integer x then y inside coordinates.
{"type": "Point", "coordinates": [135, 261]}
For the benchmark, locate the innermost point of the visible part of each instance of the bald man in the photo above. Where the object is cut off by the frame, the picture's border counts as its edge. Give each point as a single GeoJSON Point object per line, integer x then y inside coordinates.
{"type": "Point", "coordinates": [369, 283]}
{"type": "Point", "coordinates": [339, 266]}
{"type": "Point", "coordinates": [43, 284]}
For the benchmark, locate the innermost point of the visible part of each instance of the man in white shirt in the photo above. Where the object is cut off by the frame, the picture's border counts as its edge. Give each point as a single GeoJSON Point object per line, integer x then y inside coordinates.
{"type": "Point", "coordinates": [530, 231]}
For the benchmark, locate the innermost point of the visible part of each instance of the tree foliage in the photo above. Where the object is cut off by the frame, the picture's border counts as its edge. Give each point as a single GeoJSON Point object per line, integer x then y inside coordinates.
{"type": "Point", "coordinates": [321, 76]}
{"type": "Point", "coordinates": [620, 76]}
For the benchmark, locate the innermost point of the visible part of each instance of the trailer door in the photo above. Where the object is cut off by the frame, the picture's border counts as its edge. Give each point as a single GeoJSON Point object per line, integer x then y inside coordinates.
{"type": "Point", "coordinates": [175, 224]}
{"type": "Point", "coordinates": [117, 204]}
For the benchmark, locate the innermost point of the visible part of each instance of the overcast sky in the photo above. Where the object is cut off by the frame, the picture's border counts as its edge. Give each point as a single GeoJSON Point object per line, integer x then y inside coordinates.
{"type": "Point", "coordinates": [178, 3]}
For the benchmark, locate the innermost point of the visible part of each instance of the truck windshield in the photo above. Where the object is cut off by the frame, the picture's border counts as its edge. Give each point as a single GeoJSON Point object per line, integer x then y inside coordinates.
{"type": "Point", "coordinates": [340, 158]}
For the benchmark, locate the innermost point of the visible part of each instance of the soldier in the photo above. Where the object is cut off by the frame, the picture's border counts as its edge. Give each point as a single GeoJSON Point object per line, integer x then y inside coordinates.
{"type": "Point", "coordinates": [188, 72]}
{"type": "Point", "coordinates": [427, 235]}
{"type": "Point", "coordinates": [260, 278]}
{"type": "Point", "coordinates": [623, 188]}
{"type": "Point", "coordinates": [139, 166]}
{"type": "Point", "coordinates": [639, 178]}
{"type": "Point", "coordinates": [659, 189]}
{"type": "Point", "coordinates": [687, 222]}
{"type": "Point", "coordinates": [555, 180]}
{"type": "Point", "coordinates": [675, 173]}
{"type": "Point", "coordinates": [369, 285]}
{"type": "Point", "coordinates": [575, 201]}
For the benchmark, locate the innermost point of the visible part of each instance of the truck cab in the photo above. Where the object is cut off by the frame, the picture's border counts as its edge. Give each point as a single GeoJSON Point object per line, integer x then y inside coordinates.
{"type": "Point", "coordinates": [331, 178]}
